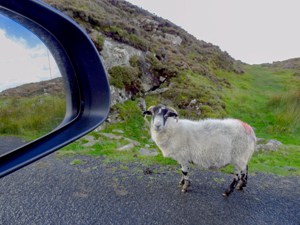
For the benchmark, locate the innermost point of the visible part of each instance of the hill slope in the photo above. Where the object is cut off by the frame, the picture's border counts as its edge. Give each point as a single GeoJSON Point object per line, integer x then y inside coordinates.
{"type": "Point", "coordinates": [169, 65]}
{"type": "Point", "coordinates": [169, 61]}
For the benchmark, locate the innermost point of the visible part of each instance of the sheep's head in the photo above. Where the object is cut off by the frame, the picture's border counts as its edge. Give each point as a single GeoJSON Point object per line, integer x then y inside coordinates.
{"type": "Point", "coordinates": [160, 114]}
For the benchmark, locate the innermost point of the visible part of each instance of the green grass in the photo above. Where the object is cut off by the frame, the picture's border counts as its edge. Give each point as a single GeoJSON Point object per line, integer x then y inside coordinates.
{"type": "Point", "coordinates": [267, 100]}
{"type": "Point", "coordinates": [30, 117]}
{"type": "Point", "coordinates": [190, 86]}
{"type": "Point", "coordinates": [259, 97]}
{"type": "Point", "coordinates": [134, 127]}
{"type": "Point", "coordinates": [285, 161]}
{"type": "Point", "coordinates": [286, 108]}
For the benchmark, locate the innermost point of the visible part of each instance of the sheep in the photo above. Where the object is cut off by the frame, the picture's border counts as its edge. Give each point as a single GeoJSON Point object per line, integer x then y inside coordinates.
{"type": "Point", "coordinates": [208, 143]}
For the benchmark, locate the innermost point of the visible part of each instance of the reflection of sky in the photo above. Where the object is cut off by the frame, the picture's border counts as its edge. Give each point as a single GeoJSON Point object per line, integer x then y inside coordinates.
{"type": "Point", "coordinates": [23, 57]}
{"type": "Point", "coordinates": [15, 31]}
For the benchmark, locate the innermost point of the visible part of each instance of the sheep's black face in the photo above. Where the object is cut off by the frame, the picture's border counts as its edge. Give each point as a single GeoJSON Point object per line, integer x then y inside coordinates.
{"type": "Point", "coordinates": [160, 114]}
{"type": "Point", "coordinates": [159, 119]}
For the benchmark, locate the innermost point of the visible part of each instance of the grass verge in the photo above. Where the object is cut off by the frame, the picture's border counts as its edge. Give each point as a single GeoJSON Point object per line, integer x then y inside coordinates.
{"type": "Point", "coordinates": [267, 100]}
{"type": "Point", "coordinates": [284, 162]}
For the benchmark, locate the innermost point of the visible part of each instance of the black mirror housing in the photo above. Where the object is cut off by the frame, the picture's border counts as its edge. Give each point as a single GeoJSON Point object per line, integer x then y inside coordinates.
{"type": "Point", "coordinates": [86, 82]}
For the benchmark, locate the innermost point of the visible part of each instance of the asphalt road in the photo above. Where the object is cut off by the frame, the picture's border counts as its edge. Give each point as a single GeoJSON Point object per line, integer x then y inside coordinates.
{"type": "Point", "coordinates": [53, 191]}
{"type": "Point", "coordinates": [8, 143]}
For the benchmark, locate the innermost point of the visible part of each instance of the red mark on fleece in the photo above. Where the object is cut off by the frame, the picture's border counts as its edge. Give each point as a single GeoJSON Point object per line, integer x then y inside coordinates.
{"type": "Point", "coordinates": [247, 127]}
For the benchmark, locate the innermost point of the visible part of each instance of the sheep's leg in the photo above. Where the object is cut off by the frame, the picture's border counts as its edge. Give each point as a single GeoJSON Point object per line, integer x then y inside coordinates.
{"type": "Point", "coordinates": [243, 181]}
{"type": "Point", "coordinates": [185, 181]}
{"type": "Point", "coordinates": [231, 187]}
{"type": "Point", "coordinates": [181, 182]}
{"type": "Point", "coordinates": [184, 171]}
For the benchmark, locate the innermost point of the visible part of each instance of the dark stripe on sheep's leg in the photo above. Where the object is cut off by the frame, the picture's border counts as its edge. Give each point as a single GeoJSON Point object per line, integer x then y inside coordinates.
{"type": "Point", "coordinates": [181, 182]}
{"type": "Point", "coordinates": [243, 181]}
{"type": "Point", "coordinates": [185, 181]}
{"type": "Point", "coordinates": [231, 187]}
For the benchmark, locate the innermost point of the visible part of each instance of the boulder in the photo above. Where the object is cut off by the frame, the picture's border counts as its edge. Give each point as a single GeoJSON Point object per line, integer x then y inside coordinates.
{"type": "Point", "coordinates": [148, 152]}
{"type": "Point", "coordinates": [119, 95]}
{"type": "Point", "coordinates": [126, 147]}
{"type": "Point", "coordinates": [117, 54]}
{"type": "Point", "coordinates": [271, 145]}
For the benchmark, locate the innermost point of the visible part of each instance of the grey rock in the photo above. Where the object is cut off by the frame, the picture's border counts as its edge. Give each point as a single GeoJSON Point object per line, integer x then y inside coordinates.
{"type": "Point", "coordinates": [119, 95]}
{"type": "Point", "coordinates": [148, 24]}
{"type": "Point", "coordinates": [90, 141]}
{"type": "Point", "coordinates": [158, 91]}
{"type": "Point", "coordinates": [135, 143]}
{"type": "Point", "coordinates": [126, 147]}
{"type": "Point", "coordinates": [275, 142]}
{"type": "Point", "coordinates": [172, 39]}
{"type": "Point", "coordinates": [271, 145]}
{"type": "Point", "coordinates": [261, 141]}
{"type": "Point", "coordinates": [112, 136]}
{"type": "Point", "coordinates": [117, 54]}
{"type": "Point", "coordinates": [148, 152]}
{"type": "Point", "coordinates": [175, 40]}
{"type": "Point", "coordinates": [118, 131]}
{"type": "Point", "coordinates": [141, 104]}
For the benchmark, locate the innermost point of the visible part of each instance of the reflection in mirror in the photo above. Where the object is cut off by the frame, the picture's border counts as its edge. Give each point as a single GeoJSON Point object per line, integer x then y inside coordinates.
{"type": "Point", "coordinates": [32, 95]}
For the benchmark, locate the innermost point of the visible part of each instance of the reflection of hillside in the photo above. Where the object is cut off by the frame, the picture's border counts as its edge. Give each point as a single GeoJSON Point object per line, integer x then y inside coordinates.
{"type": "Point", "coordinates": [51, 87]}
{"type": "Point", "coordinates": [32, 110]}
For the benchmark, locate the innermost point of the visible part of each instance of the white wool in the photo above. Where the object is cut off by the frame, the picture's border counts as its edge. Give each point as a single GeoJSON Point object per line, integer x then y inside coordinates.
{"type": "Point", "coordinates": [210, 143]}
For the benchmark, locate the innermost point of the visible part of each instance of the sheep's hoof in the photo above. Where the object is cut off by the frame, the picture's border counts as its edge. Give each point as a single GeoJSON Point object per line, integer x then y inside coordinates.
{"type": "Point", "coordinates": [239, 188]}
{"type": "Point", "coordinates": [240, 185]}
{"type": "Point", "coordinates": [227, 193]}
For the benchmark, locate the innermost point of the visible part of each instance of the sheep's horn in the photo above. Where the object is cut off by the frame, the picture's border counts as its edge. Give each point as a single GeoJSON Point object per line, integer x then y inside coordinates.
{"type": "Point", "coordinates": [151, 108]}
{"type": "Point", "coordinates": [149, 111]}
{"type": "Point", "coordinates": [173, 110]}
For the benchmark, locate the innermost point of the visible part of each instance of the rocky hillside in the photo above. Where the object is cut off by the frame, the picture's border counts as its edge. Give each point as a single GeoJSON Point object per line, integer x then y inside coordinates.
{"type": "Point", "coordinates": [49, 87]}
{"type": "Point", "coordinates": [290, 64]}
{"type": "Point", "coordinates": [150, 57]}
{"type": "Point", "coordinates": [286, 64]}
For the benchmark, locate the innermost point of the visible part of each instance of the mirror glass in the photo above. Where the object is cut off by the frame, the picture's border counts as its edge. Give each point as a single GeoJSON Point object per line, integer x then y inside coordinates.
{"type": "Point", "coordinates": [32, 95]}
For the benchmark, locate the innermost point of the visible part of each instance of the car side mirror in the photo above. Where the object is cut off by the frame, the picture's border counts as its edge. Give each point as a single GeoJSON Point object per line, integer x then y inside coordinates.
{"type": "Point", "coordinates": [85, 80]}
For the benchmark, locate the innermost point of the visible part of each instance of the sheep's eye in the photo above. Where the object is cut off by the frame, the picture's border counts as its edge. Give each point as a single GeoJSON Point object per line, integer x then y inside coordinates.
{"type": "Point", "coordinates": [155, 110]}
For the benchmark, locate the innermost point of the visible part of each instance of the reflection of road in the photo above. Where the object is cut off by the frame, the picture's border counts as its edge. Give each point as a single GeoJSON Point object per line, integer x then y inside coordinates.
{"type": "Point", "coordinates": [9, 143]}
{"type": "Point", "coordinates": [92, 191]}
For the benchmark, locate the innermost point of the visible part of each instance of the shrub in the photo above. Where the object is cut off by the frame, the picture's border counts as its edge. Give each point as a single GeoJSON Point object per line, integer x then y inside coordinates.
{"type": "Point", "coordinates": [100, 42]}
{"type": "Point", "coordinates": [134, 61]}
{"type": "Point", "coordinates": [125, 77]}
{"type": "Point", "coordinates": [158, 68]}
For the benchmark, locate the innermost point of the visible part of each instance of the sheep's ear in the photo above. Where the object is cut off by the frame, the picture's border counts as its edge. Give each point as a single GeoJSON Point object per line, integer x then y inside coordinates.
{"type": "Point", "coordinates": [147, 113]}
{"type": "Point", "coordinates": [172, 114]}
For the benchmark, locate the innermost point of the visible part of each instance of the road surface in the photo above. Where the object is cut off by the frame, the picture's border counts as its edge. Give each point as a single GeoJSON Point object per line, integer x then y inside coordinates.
{"type": "Point", "coordinates": [56, 190]}
{"type": "Point", "coordinates": [8, 143]}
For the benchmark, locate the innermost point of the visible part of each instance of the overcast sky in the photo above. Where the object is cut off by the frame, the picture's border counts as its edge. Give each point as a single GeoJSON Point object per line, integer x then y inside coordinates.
{"type": "Point", "coordinates": [254, 31]}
